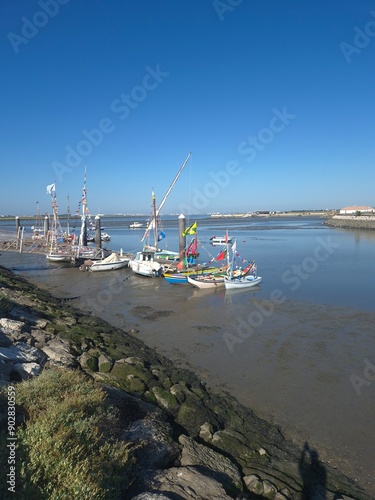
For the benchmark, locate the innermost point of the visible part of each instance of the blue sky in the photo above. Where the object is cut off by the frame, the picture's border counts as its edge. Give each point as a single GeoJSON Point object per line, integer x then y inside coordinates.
{"type": "Point", "coordinates": [275, 100]}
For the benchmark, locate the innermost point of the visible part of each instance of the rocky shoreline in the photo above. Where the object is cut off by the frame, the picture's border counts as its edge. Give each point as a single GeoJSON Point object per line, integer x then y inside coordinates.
{"type": "Point", "coordinates": [190, 442]}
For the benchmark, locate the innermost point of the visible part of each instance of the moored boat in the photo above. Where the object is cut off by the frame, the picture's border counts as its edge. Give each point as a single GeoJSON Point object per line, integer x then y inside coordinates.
{"type": "Point", "coordinates": [145, 265]}
{"type": "Point", "coordinates": [110, 263]}
{"type": "Point", "coordinates": [60, 256]}
{"type": "Point", "coordinates": [136, 225]}
{"type": "Point", "coordinates": [242, 282]}
{"type": "Point", "coordinates": [221, 240]}
{"type": "Point", "coordinates": [181, 277]}
{"type": "Point", "coordinates": [207, 280]}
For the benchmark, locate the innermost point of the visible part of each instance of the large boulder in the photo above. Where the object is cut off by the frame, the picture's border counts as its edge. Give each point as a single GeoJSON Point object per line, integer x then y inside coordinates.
{"type": "Point", "coordinates": [221, 468]}
{"type": "Point", "coordinates": [22, 353]}
{"type": "Point", "coordinates": [11, 331]}
{"type": "Point", "coordinates": [184, 483]}
{"type": "Point", "coordinates": [155, 448]}
{"type": "Point", "coordinates": [59, 353]}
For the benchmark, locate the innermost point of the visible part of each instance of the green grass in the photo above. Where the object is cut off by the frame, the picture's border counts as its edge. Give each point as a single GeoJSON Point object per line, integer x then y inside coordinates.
{"type": "Point", "coordinates": [68, 446]}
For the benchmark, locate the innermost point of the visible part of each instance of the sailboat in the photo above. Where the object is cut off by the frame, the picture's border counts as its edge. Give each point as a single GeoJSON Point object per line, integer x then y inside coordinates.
{"type": "Point", "coordinates": [153, 225]}
{"type": "Point", "coordinates": [148, 261]}
{"type": "Point", "coordinates": [212, 279]}
{"type": "Point", "coordinates": [245, 279]}
{"type": "Point", "coordinates": [82, 250]}
{"type": "Point", "coordinates": [57, 253]}
{"type": "Point", "coordinates": [38, 230]}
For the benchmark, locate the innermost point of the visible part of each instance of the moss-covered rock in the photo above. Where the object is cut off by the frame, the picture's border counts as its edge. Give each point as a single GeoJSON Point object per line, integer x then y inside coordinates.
{"type": "Point", "coordinates": [165, 399]}
{"type": "Point", "coordinates": [105, 363]}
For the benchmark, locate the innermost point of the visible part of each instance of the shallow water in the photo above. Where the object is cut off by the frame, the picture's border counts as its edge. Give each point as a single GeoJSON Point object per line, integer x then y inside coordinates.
{"type": "Point", "coordinates": [298, 350]}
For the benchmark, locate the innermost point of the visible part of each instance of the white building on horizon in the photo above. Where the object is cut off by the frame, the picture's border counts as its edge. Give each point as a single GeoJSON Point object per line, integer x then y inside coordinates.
{"type": "Point", "coordinates": [355, 209]}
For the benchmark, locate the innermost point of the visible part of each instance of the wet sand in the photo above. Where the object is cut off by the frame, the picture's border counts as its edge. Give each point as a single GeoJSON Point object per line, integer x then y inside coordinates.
{"type": "Point", "coordinates": [295, 367]}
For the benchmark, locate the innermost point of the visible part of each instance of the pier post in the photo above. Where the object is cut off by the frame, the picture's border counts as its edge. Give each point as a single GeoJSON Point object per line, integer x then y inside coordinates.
{"type": "Point", "coordinates": [46, 226]}
{"type": "Point", "coordinates": [17, 227]}
{"type": "Point", "coordinates": [98, 234]}
{"type": "Point", "coordinates": [21, 239]}
{"type": "Point", "coordinates": [181, 239]}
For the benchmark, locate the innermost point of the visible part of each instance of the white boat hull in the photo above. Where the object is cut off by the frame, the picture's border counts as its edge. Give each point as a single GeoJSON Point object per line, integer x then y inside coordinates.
{"type": "Point", "coordinates": [206, 282]}
{"type": "Point", "coordinates": [59, 257]}
{"type": "Point", "coordinates": [145, 265]}
{"type": "Point", "coordinates": [217, 241]}
{"type": "Point", "coordinates": [151, 269]}
{"type": "Point", "coordinates": [242, 282]}
{"type": "Point", "coordinates": [109, 266]}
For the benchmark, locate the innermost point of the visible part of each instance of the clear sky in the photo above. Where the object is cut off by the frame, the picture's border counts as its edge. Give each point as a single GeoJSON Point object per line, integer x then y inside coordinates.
{"type": "Point", "coordinates": [275, 100]}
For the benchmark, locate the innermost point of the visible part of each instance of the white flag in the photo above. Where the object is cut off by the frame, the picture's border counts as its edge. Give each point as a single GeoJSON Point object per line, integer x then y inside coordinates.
{"type": "Point", "coordinates": [50, 188]}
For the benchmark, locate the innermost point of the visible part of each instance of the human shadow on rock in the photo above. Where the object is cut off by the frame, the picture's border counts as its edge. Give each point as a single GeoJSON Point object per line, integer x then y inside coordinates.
{"type": "Point", "coordinates": [313, 474]}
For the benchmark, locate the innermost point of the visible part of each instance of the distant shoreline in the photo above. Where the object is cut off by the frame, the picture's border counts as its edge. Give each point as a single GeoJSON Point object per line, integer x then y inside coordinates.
{"type": "Point", "coordinates": [296, 213]}
{"type": "Point", "coordinates": [300, 213]}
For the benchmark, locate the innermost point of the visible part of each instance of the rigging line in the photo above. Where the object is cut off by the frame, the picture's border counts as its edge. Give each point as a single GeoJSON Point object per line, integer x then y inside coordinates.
{"type": "Point", "coordinates": [190, 183]}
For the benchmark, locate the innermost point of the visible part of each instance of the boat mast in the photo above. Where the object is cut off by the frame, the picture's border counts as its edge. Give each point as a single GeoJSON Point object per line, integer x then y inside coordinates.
{"type": "Point", "coordinates": [83, 235]}
{"type": "Point", "coordinates": [68, 210]}
{"type": "Point", "coordinates": [155, 222]}
{"type": "Point", "coordinates": [53, 242]}
{"type": "Point", "coordinates": [150, 225]}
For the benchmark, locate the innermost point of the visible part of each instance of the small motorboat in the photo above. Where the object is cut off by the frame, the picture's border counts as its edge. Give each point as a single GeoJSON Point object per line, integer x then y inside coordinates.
{"type": "Point", "coordinates": [221, 240]}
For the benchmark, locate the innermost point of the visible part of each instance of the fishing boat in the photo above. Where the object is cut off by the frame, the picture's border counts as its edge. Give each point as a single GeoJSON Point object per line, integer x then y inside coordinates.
{"type": "Point", "coordinates": [241, 278]}
{"type": "Point", "coordinates": [242, 282]}
{"type": "Point", "coordinates": [207, 280]}
{"type": "Point", "coordinates": [136, 225]}
{"type": "Point", "coordinates": [144, 263]}
{"type": "Point", "coordinates": [189, 266]}
{"type": "Point", "coordinates": [110, 263]}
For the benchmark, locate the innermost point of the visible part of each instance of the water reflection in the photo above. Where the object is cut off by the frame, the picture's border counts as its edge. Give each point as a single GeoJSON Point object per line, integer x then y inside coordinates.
{"type": "Point", "coordinates": [231, 293]}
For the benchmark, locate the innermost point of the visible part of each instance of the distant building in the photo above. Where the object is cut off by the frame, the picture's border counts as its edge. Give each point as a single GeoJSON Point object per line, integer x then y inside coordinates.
{"type": "Point", "coordinates": [354, 210]}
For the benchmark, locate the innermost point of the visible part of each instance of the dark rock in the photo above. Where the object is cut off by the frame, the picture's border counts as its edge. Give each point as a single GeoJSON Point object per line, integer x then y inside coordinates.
{"type": "Point", "coordinates": [23, 315]}
{"type": "Point", "coordinates": [221, 468]}
{"type": "Point", "coordinates": [155, 448]}
{"type": "Point", "coordinates": [190, 483]}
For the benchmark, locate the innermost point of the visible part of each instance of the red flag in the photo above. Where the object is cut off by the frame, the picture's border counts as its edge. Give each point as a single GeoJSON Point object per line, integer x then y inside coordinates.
{"type": "Point", "coordinates": [222, 255]}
